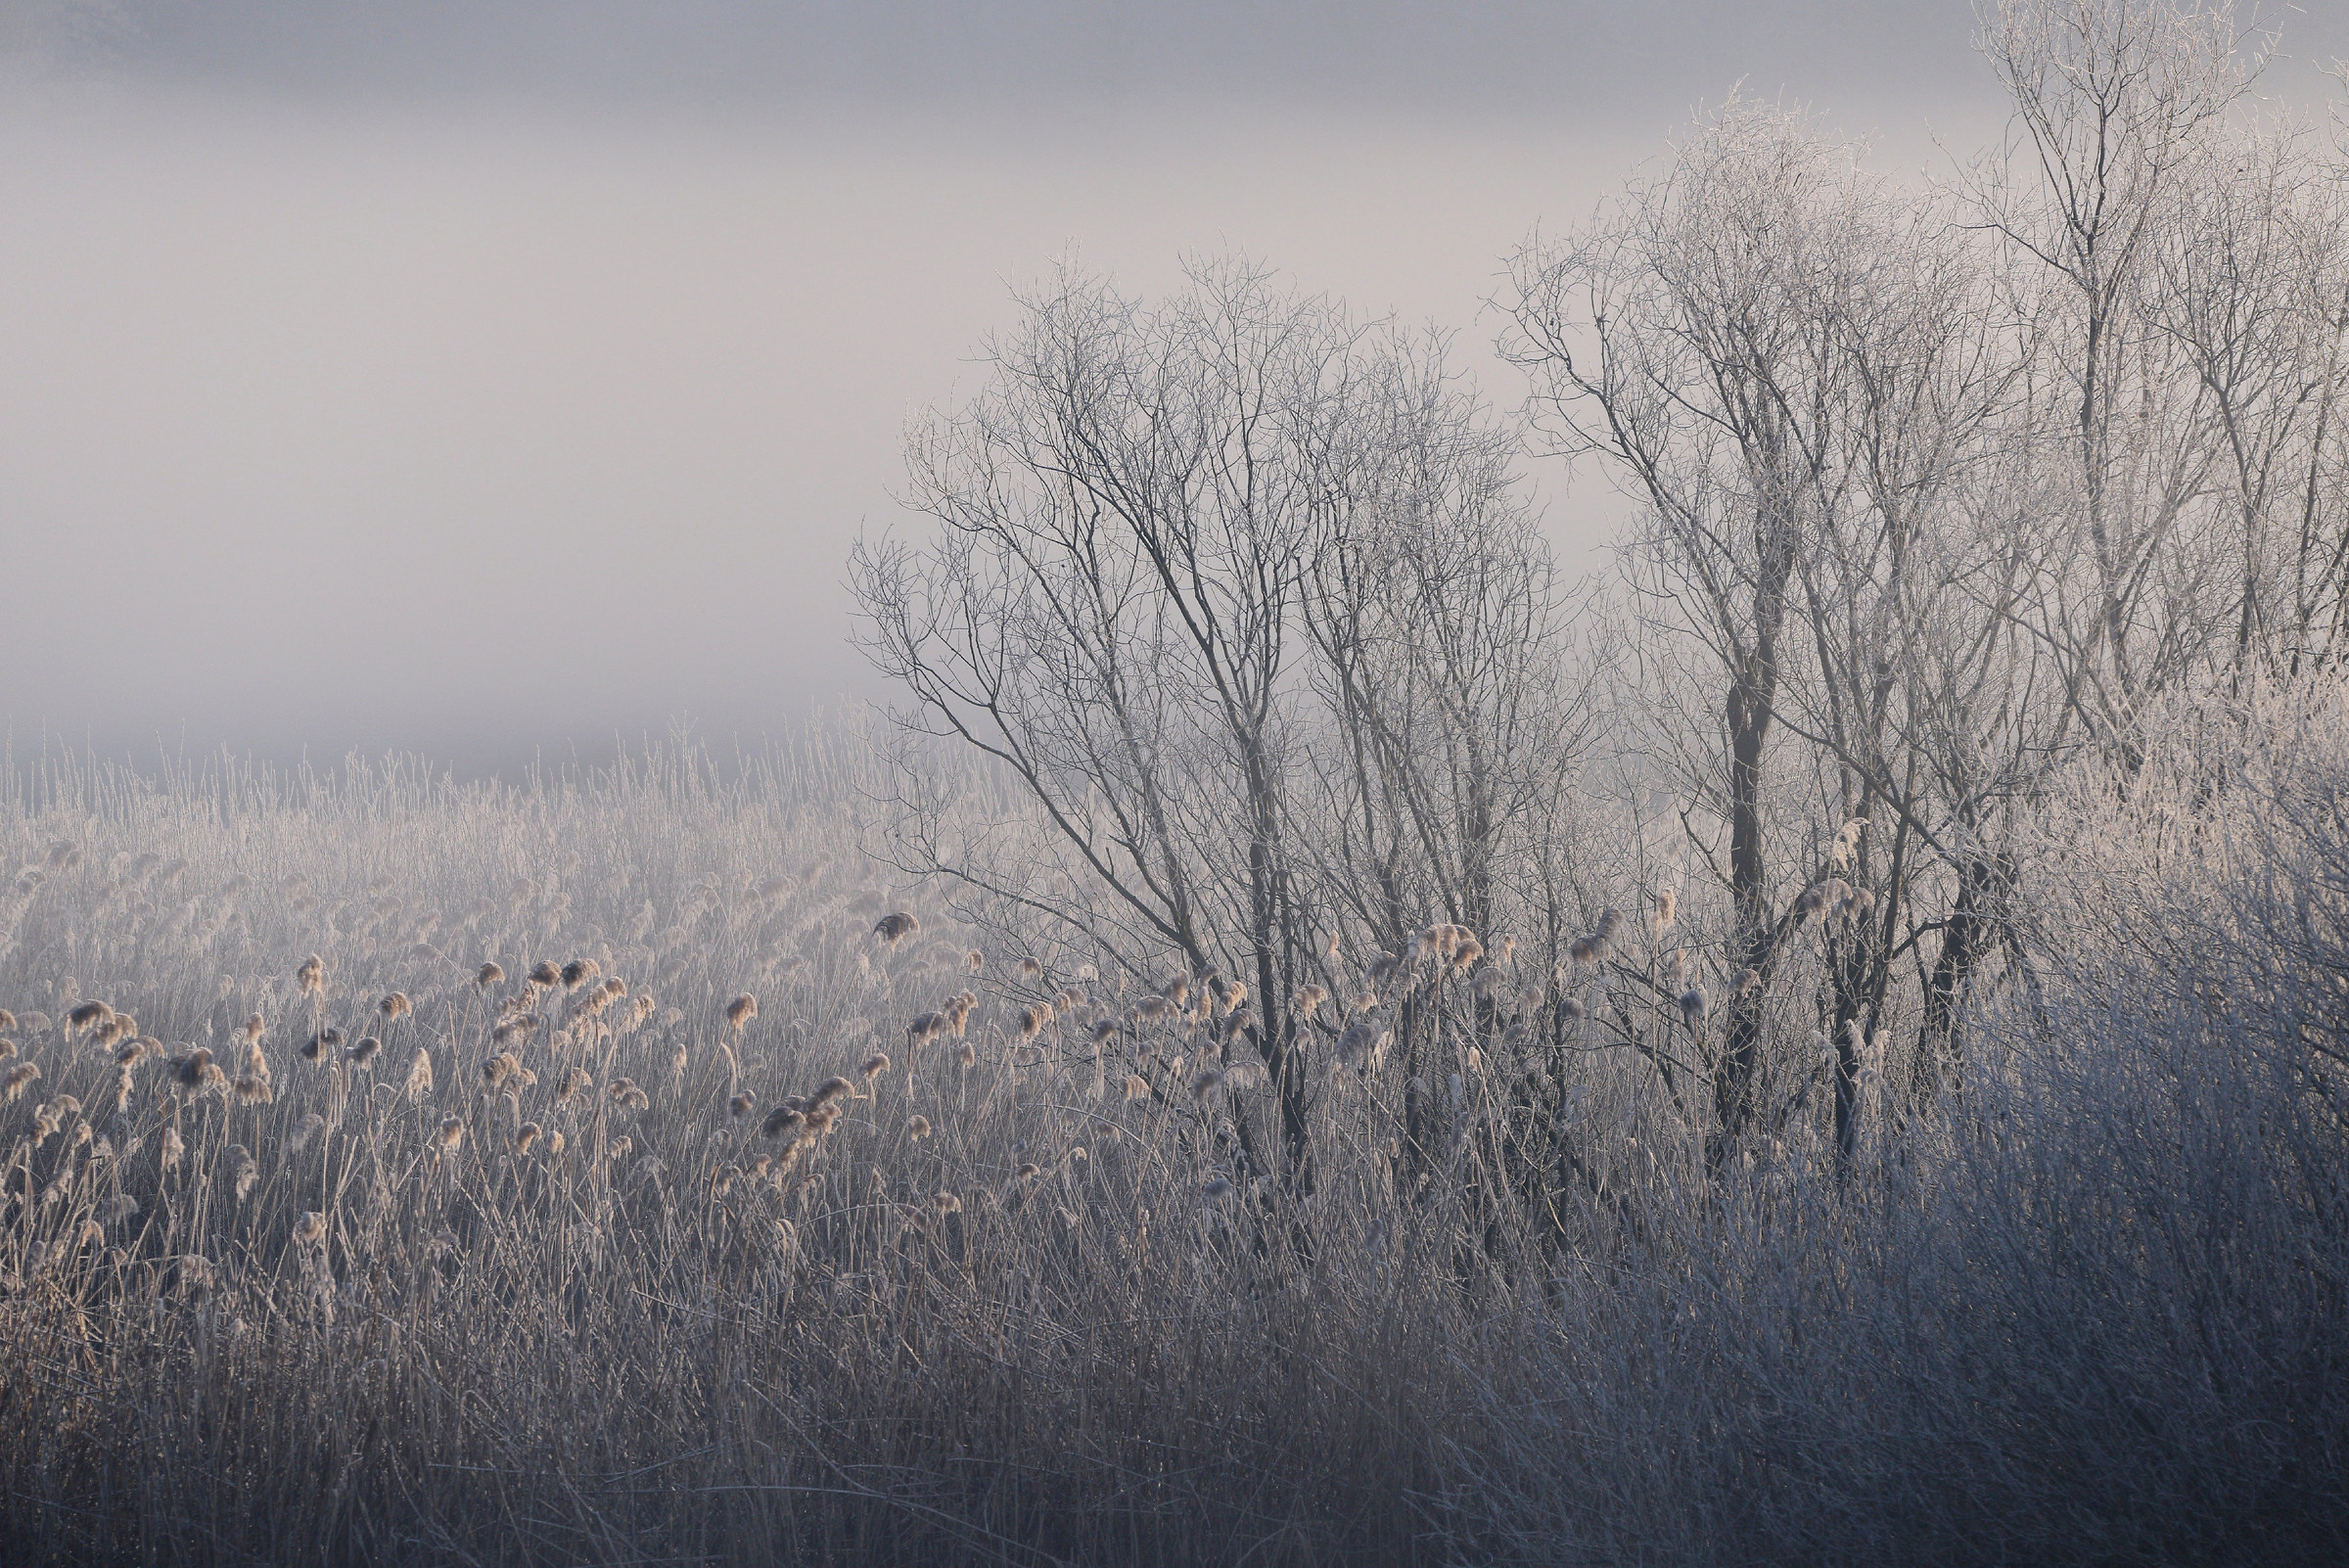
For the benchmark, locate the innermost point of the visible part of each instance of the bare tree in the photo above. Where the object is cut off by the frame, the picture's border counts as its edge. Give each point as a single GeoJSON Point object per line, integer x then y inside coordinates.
{"type": "Point", "coordinates": [1241, 595]}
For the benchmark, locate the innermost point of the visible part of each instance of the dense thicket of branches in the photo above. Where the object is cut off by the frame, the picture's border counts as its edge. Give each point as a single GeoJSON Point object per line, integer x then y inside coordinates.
{"type": "Point", "coordinates": [1932, 490]}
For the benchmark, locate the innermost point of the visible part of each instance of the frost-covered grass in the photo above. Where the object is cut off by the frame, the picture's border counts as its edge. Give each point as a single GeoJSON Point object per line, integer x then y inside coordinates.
{"type": "Point", "coordinates": [2090, 1311]}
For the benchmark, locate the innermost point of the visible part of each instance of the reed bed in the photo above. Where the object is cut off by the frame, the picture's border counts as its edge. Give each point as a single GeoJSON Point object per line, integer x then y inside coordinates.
{"type": "Point", "coordinates": [625, 1168]}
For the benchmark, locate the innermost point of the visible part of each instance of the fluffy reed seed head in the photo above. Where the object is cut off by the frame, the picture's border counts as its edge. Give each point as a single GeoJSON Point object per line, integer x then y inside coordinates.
{"type": "Point", "coordinates": [420, 1075]}
{"type": "Point", "coordinates": [917, 1127]}
{"type": "Point", "coordinates": [255, 1026]}
{"type": "Point", "coordinates": [1668, 903]}
{"type": "Point", "coordinates": [237, 1164]}
{"type": "Point", "coordinates": [741, 1010]}
{"type": "Point", "coordinates": [525, 1137]}
{"type": "Point", "coordinates": [1029, 1171]}
{"type": "Point", "coordinates": [1572, 1008]}
{"type": "Point", "coordinates": [896, 928]}
{"type": "Point", "coordinates": [1136, 1087]}
{"type": "Point", "coordinates": [626, 1094]}
{"type": "Point", "coordinates": [490, 974]}
{"type": "Point", "coordinates": [546, 977]}
{"type": "Point", "coordinates": [925, 1028]}
{"type": "Point", "coordinates": [966, 1055]}
{"type": "Point", "coordinates": [305, 1131]}
{"type": "Point", "coordinates": [1216, 1189]}
{"type": "Point", "coordinates": [742, 1104]}
{"type": "Point", "coordinates": [784, 1120]}
{"type": "Point", "coordinates": [19, 1075]}
{"type": "Point", "coordinates": [874, 1066]}
{"type": "Point", "coordinates": [1205, 1082]}
{"type": "Point", "coordinates": [1031, 968]}
{"type": "Point", "coordinates": [311, 976]}
{"type": "Point", "coordinates": [311, 1229]}
{"type": "Point", "coordinates": [198, 1070]}
{"type": "Point", "coordinates": [364, 1050]}
{"type": "Point", "coordinates": [945, 1202]}
{"type": "Point", "coordinates": [1693, 1005]}
{"type": "Point", "coordinates": [395, 1005]}
{"type": "Point", "coordinates": [974, 960]}
{"type": "Point", "coordinates": [1310, 999]}
{"type": "Point", "coordinates": [175, 1149]}
{"type": "Point", "coordinates": [578, 972]}
{"type": "Point", "coordinates": [450, 1136]}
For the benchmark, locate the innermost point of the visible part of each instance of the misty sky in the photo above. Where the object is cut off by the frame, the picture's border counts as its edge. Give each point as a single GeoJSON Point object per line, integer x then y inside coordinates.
{"type": "Point", "coordinates": [490, 379]}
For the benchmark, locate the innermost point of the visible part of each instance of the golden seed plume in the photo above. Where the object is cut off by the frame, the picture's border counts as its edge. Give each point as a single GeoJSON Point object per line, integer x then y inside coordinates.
{"type": "Point", "coordinates": [311, 976]}
{"type": "Point", "coordinates": [237, 1163]}
{"type": "Point", "coordinates": [576, 1083]}
{"type": "Point", "coordinates": [741, 1010]}
{"type": "Point", "coordinates": [450, 1136]}
{"type": "Point", "coordinates": [310, 1228]}
{"type": "Point", "coordinates": [918, 1128]}
{"type": "Point", "coordinates": [742, 1104]}
{"type": "Point", "coordinates": [490, 974]}
{"type": "Point", "coordinates": [875, 1065]}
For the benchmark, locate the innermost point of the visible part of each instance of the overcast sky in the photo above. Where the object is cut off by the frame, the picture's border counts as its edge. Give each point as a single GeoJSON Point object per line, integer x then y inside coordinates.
{"type": "Point", "coordinates": [490, 380]}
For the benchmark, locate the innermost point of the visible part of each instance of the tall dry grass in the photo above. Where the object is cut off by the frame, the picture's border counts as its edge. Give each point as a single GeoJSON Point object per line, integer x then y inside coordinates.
{"type": "Point", "coordinates": [570, 1302]}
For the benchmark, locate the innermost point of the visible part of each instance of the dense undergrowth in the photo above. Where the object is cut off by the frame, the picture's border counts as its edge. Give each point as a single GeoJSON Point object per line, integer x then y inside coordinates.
{"type": "Point", "coordinates": [1023, 1293]}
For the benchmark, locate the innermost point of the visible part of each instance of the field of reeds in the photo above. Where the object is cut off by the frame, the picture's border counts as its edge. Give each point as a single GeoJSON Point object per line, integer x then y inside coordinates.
{"type": "Point", "coordinates": [626, 1169]}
